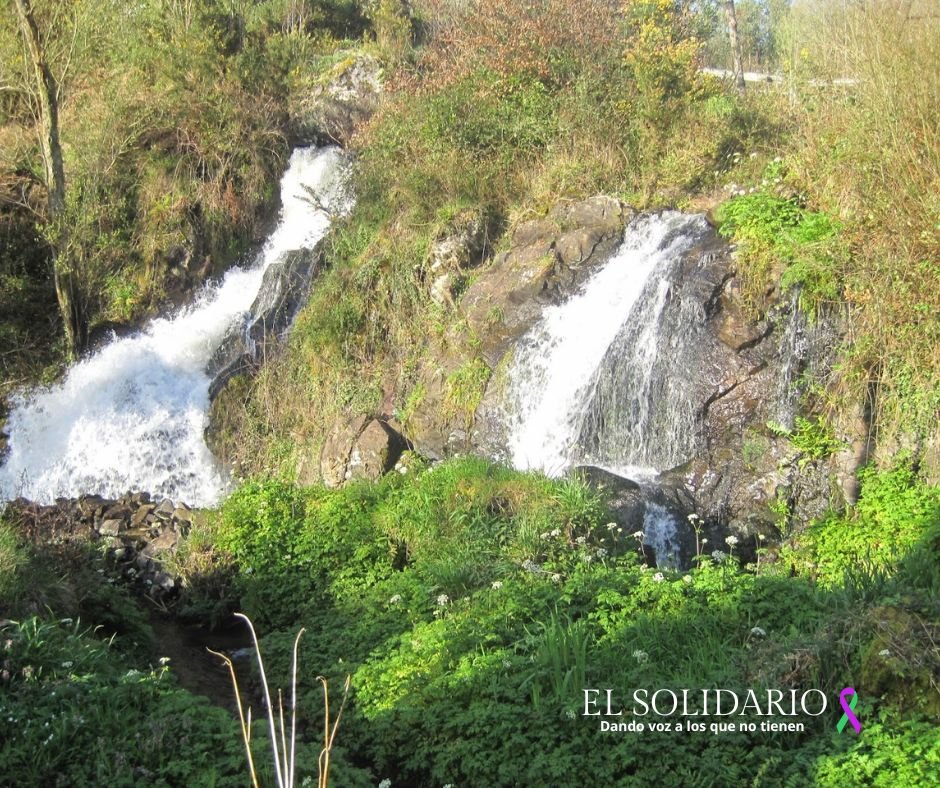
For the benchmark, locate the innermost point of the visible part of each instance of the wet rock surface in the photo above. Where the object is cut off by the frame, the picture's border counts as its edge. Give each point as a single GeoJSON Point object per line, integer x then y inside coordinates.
{"type": "Point", "coordinates": [547, 259]}
{"type": "Point", "coordinates": [742, 378]}
{"type": "Point", "coordinates": [283, 291]}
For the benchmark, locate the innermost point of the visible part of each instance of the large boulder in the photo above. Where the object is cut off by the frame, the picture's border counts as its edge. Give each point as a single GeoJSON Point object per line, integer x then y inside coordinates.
{"type": "Point", "coordinates": [359, 448]}
{"type": "Point", "coordinates": [375, 452]}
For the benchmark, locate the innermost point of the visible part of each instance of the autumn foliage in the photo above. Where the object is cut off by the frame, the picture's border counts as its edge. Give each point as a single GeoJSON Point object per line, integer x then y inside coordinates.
{"type": "Point", "coordinates": [551, 40]}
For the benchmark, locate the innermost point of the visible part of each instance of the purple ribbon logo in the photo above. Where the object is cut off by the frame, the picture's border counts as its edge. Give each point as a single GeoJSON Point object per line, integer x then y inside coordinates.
{"type": "Point", "coordinates": [848, 708]}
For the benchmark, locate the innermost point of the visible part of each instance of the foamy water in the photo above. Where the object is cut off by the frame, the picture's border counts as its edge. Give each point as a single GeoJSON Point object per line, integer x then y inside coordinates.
{"type": "Point", "coordinates": [132, 416]}
{"type": "Point", "coordinates": [554, 372]}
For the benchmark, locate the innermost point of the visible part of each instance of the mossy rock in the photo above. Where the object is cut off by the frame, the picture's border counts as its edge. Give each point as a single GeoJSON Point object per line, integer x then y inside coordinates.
{"type": "Point", "coordinates": [226, 416]}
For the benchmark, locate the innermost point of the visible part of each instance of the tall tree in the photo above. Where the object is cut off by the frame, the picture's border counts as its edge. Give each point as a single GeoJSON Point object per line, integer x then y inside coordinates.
{"type": "Point", "coordinates": [45, 94]}
{"type": "Point", "coordinates": [735, 44]}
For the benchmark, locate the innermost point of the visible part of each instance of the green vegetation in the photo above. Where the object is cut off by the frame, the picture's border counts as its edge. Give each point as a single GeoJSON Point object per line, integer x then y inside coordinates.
{"type": "Point", "coordinates": [772, 231]}
{"type": "Point", "coordinates": [173, 120]}
{"type": "Point", "coordinates": [895, 519]}
{"type": "Point", "coordinates": [472, 604]}
{"type": "Point", "coordinates": [812, 438]}
{"type": "Point", "coordinates": [66, 705]}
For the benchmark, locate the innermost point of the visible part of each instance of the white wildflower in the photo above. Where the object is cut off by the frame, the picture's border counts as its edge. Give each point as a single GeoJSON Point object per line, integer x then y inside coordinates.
{"type": "Point", "coordinates": [885, 652]}
{"type": "Point", "coordinates": [546, 535]}
{"type": "Point", "coordinates": [496, 585]}
{"type": "Point", "coordinates": [68, 664]}
{"type": "Point", "coordinates": [555, 533]}
{"type": "Point", "coordinates": [731, 541]}
{"type": "Point", "coordinates": [611, 526]}
{"type": "Point", "coordinates": [581, 539]}
{"type": "Point", "coordinates": [556, 578]}
{"type": "Point", "coordinates": [759, 632]}
{"type": "Point", "coordinates": [395, 599]}
{"type": "Point", "coordinates": [641, 656]}
{"type": "Point", "coordinates": [164, 660]}
{"type": "Point", "coordinates": [386, 783]}
{"type": "Point", "coordinates": [659, 577]}
{"type": "Point", "coordinates": [601, 552]}
{"type": "Point", "coordinates": [718, 556]}
{"type": "Point", "coordinates": [639, 536]}
{"type": "Point", "coordinates": [686, 578]}
{"type": "Point", "coordinates": [570, 714]}
{"type": "Point", "coordinates": [442, 600]}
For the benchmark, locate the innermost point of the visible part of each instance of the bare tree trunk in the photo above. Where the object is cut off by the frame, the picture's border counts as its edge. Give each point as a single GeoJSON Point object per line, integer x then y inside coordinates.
{"type": "Point", "coordinates": [735, 44]}
{"type": "Point", "coordinates": [47, 99]}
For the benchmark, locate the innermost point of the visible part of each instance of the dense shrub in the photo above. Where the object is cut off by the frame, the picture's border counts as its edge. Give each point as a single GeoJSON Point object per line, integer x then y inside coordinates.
{"type": "Point", "coordinates": [895, 512]}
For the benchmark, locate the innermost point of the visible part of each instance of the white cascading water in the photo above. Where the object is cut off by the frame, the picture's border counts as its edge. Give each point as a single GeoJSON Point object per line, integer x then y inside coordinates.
{"type": "Point", "coordinates": [557, 365]}
{"type": "Point", "coordinates": [660, 534]}
{"type": "Point", "coordinates": [132, 416]}
{"type": "Point", "coordinates": [600, 379]}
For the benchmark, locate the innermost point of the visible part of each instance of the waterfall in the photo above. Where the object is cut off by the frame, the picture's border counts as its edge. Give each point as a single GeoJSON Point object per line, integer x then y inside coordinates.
{"type": "Point", "coordinates": [132, 416]}
{"type": "Point", "coordinates": [600, 379]}
{"type": "Point", "coordinates": [660, 534]}
{"type": "Point", "coordinates": [794, 353]}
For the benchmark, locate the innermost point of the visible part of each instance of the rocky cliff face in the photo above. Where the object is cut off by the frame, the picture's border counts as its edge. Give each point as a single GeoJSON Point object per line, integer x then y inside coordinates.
{"type": "Point", "coordinates": [547, 259]}
{"type": "Point", "coordinates": [745, 379]}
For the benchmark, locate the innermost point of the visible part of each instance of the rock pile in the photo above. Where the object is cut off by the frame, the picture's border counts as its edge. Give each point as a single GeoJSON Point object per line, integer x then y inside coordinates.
{"type": "Point", "coordinates": [136, 533]}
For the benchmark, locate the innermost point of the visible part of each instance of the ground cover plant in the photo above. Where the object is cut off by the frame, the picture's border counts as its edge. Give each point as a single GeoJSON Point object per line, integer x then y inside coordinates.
{"type": "Point", "coordinates": [472, 604]}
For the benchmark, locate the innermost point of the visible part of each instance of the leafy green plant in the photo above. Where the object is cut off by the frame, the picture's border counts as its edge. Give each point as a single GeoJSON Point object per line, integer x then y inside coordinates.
{"type": "Point", "coordinates": [464, 389]}
{"type": "Point", "coordinates": [560, 655]}
{"type": "Point", "coordinates": [894, 512]}
{"type": "Point", "coordinates": [772, 230]}
{"type": "Point", "coordinates": [813, 438]}
{"type": "Point", "coordinates": [70, 701]}
{"type": "Point", "coordinates": [12, 557]}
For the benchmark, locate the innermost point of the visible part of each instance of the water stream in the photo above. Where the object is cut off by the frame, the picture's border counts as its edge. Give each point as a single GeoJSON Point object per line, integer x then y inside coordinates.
{"type": "Point", "coordinates": [132, 416]}
{"type": "Point", "coordinates": [599, 379]}
{"type": "Point", "coordinates": [606, 377]}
